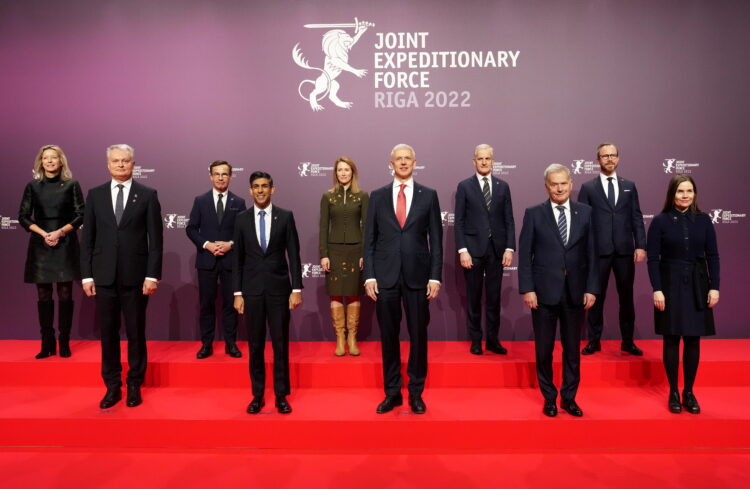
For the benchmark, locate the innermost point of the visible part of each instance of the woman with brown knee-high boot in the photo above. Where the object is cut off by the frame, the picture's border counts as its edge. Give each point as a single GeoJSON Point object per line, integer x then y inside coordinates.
{"type": "Point", "coordinates": [343, 210]}
{"type": "Point", "coordinates": [51, 210]}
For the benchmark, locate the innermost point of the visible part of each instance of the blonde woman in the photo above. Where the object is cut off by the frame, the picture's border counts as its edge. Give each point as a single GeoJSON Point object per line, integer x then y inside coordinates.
{"type": "Point", "coordinates": [51, 210]}
{"type": "Point", "coordinates": [343, 210]}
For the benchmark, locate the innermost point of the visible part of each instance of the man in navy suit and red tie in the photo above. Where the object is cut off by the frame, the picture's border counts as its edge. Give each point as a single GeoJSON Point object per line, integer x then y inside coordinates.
{"type": "Point", "coordinates": [211, 229]}
{"type": "Point", "coordinates": [267, 281]}
{"type": "Point", "coordinates": [620, 241]}
{"type": "Point", "coordinates": [557, 276]}
{"type": "Point", "coordinates": [403, 265]}
{"type": "Point", "coordinates": [485, 240]}
{"type": "Point", "coordinates": [121, 257]}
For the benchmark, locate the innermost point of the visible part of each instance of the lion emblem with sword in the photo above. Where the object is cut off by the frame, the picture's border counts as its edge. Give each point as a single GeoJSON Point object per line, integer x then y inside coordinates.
{"type": "Point", "coordinates": [336, 46]}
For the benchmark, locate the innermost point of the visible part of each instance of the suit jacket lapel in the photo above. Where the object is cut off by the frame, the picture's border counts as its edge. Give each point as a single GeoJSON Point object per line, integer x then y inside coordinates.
{"type": "Point", "coordinates": [416, 197]}
{"type": "Point", "coordinates": [600, 190]}
{"type": "Point", "coordinates": [575, 224]}
{"type": "Point", "coordinates": [275, 231]}
{"type": "Point", "coordinates": [551, 217]}
{"type": "Point", "coordinates": [620, 193]}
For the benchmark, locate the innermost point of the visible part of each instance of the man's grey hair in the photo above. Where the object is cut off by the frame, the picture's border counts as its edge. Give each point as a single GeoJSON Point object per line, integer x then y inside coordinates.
{"type": "Point", "coordinates": [123, 147]}
{"type": "Point", "coordinates": [403, 146]}
{"type": "Point", "coordinates": [481, 147]}
{"type": "Point", "coordinates": [556, 168]}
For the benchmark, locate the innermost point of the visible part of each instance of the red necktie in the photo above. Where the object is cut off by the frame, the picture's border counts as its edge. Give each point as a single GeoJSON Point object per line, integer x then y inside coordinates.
{"type": "Point", "coordinates": [401, 206]}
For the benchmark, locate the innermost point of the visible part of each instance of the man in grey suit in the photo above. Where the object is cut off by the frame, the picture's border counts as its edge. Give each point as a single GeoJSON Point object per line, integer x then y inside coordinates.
{"type": "Point", "coordinates": [620, 241]}
{"type": "Point", "coordinates": [557, 276]}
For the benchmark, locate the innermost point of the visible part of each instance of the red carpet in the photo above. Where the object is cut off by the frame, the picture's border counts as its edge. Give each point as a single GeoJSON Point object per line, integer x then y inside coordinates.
{"type": "Point", "coordinates": [483, 426]}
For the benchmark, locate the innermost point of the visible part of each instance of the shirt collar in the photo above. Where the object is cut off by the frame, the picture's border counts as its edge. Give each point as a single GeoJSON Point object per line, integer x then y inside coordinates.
{"type": "Point", "coordinates": [409, 183]}
{"type": "Point", "coordinates": [605, 177]}
{"type": "Point", "coordinates": [481, 177]}
{"type": "Point", "coordinates": [127, 183]}
{"type": "Point", "coordinates": [566, 204]}
{"type": "Point", "coordinates": [267, 209]}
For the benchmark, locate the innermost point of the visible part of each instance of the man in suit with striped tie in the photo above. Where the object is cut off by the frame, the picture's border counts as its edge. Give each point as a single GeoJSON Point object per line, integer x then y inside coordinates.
{"type": "Point", "coordinates": [557, 275]}
{"type": "Point", "coordinates": [485, 239]}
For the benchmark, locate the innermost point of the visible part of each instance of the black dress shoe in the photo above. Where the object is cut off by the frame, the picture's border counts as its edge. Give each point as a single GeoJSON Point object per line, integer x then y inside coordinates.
{"type": "Point", "coordinates": [550, 408]}
{"type": "Point", "coordinates": [591, 348]}
{"type": "Point", "coordinates": [283, 406]}
{"type": "Point", "coordinates": [690, 403]}
{"type": "Point", "coordinates": [476, 347]}
{"type": "Point", "coordinates": [571, 407]}
{"type": "Point", "coordinates": [256, 405]}
{"type": "Point", "coordinates": [232, 350]}
{"type": "Point", "coordinates": [389, 403]}
{"type": "Point", "coordinates": [206, 351]}
{"type": "Point", "coordinates": [417, 405]}
{"type": "Point", "coordinates": [134, 396]}
{"type": "Point", "coordinates": [496, 347]}
{"type": "Point", "coordinates": [112, 397]}
{"type": "Point", "coordinates": [632, 349]}
{"type": "Point", "coordinates": [674, 402]}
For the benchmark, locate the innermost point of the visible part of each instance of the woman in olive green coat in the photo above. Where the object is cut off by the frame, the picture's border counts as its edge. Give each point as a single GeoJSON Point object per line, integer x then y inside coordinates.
{"type": "Point", "coordinates": [343, 210]}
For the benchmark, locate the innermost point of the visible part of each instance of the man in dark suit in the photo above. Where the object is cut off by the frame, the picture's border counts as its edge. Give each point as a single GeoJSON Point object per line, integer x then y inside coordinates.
{"type": "Point", "coordinates": [121, 254]}
{"type": "Point", "coordinates": [557, 276]}
{"type": "Point", "coordinates": [403, 263]}
{"type": "Point", "coordinates": [620, 241]}
{"type": "Point", "coordinates": [265, 237]}
{"type": "Point", "coordinates": [485, 240]}
{"type": "Point", "coordinates": [211, 229]}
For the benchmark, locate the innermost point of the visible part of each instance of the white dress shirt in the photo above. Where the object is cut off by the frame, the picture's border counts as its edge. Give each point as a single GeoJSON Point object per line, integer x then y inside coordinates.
{"type": "Point", "coordinates": [556, 213]}
{"type": "Point", "coordinates": [605, 184]}
{"type": "Point", "coordinates": [408, 192]}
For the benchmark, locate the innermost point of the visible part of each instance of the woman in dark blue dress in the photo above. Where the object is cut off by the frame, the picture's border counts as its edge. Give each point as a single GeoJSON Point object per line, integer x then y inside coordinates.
{"type": "Point", "coordinates": [51, 210]}
{"type": "Point", "coordinates": [683, 265]}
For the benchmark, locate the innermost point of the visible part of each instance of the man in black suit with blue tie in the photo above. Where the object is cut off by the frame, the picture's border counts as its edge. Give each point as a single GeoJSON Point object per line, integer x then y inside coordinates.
{"type": "Point", "coordinates": [403, 255]}
{"type": "Point", "coordinates": [121, 257]}
{"type": "Point", "coordinates": [485, 240]}
{"type": "Point", "coordinates": [557, 276]}
{"type": "Point", "coordinates": [211, 229]}
{"type": "Point", "coordinates": [620, 241]}
{"type": "Point", "coordinates": [267, 282]}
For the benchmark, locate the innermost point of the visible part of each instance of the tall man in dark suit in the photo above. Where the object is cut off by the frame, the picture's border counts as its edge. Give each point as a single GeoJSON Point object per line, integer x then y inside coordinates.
{"type": "Point", "coordinates": [620, 241]}
{"type": "Point", "coordinates": [265, 237]}
{"type": "Point", "coordinates": [403, 264]}
{"type": "Point", "coordinates": [485, 240]}
{"type": "Point", "coordinates": [557, 276]}
{"type": "Point", "coordinates": [121, 255]}
{"type": "Point", "coordinates": [211, 229]}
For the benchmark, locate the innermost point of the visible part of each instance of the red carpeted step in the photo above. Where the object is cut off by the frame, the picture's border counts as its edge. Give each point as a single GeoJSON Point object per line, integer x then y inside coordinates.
{"type": "Point", "coordinates": [328, 418]}
{"type": "Point", "coordinates": [371, 469]}
{"type": "Point", "coordinates": [173, 364]}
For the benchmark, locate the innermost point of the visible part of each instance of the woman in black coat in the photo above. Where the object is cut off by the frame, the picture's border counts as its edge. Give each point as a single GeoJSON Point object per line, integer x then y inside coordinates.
{"type": "Point", "coordinates": [683, 265]}
{"type": "Point", "coordinates": [51, 210]}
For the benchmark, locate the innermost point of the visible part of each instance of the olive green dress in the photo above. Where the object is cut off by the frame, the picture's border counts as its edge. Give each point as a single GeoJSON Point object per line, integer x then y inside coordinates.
{"type": "Point", "coordinates": [342, 220]}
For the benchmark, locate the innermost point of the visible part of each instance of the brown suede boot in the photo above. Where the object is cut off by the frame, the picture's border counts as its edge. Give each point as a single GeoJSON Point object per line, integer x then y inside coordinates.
{"type": "Point", "coordinates": [352, 323]}
{"type": "Point", "coordinates": [337, 315]}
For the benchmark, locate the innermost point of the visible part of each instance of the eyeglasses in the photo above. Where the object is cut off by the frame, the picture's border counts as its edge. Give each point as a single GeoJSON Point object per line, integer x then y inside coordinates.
{"type": "Point", "coordinates": [608, 157]}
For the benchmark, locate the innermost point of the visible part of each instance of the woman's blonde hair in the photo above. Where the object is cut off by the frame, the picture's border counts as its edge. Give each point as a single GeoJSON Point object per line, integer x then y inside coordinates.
{"type": "Point", "coordinates": [354, 185]}
{"type": "Point", "coordinates": [65, 173]}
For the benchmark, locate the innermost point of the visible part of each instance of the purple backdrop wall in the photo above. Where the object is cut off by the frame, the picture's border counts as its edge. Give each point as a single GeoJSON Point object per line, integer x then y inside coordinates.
{"type": "Point", "coordinates": [188, 82]}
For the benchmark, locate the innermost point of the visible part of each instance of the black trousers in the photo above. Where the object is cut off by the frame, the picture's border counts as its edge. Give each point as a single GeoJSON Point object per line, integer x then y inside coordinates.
{"type": "Point", "coordinates": [545, 320]}
{"type": "Point", "coordinates": [388, 311]}
{"type": "Point", "coordinates": [485, 276]}
{"type": "Point", "coordinates": [111, 303]}
{"type": "Point", "coordinates": [624, 270]}
{"type": "Point", "coordinates": [207, 285]}
{"type": "Point", "coordinates": [272, 310]}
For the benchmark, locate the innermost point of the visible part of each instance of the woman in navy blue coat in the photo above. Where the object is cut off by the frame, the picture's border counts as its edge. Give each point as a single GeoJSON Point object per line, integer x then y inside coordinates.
{"type": "Point", "coordinates": [683, 265]}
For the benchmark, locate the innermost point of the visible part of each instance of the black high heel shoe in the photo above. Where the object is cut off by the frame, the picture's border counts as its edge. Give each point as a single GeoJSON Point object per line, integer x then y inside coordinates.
{"type": "Point", "coordinates": [690, 403]}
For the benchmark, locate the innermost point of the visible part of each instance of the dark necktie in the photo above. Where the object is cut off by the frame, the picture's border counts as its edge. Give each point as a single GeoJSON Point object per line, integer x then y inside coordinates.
{"type": "Point", "coordinates": [610, 191]}
{"type": "Point", "coordinates": [263, 244]}
{"type": "Point", "coordinates": [220, 208]}
{"type": "Point", "coordinates": [119, 203]}
{"type": "Point", "coordinates": [486, 193]}
{"type": "Point", "coordinates": [562, 224]}
{"type": "Point", "coordinates": [401, 206]}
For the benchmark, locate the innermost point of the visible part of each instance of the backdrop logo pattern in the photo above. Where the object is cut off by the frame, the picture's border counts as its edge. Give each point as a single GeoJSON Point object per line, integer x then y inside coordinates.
{"type": "Point", "coordinates": [448, 218]}
{"type": "Point", "coordinates": [312, 270]}
{"type": "Point", "coordinates": [175, 221]}
{"type": "Point", "coordinates": [500, 168]}
{"type": "Point", "coordinates": [336, 46]}
{"type": "Point", "coordinates": [583, 167]}
{"type": "Point", "coordinates": [309, 169]}
{"type": "Point", "coordinates": [674, 165]}
{"type": "Point", "coordinates": [724, 216]}
{"type": "Point", "coordinates": [7, 223]}
{"type": "Point", "coordinates": [142, 173]}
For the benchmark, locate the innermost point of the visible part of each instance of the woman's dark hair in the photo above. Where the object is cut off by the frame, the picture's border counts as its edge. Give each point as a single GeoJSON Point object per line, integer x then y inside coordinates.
{"type": "Point", "coordinates": [672, 191]}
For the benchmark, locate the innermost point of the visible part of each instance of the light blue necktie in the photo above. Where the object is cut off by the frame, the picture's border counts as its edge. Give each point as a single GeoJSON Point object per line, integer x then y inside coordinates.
{"type": "Point", "coordinates": [263, 244]}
